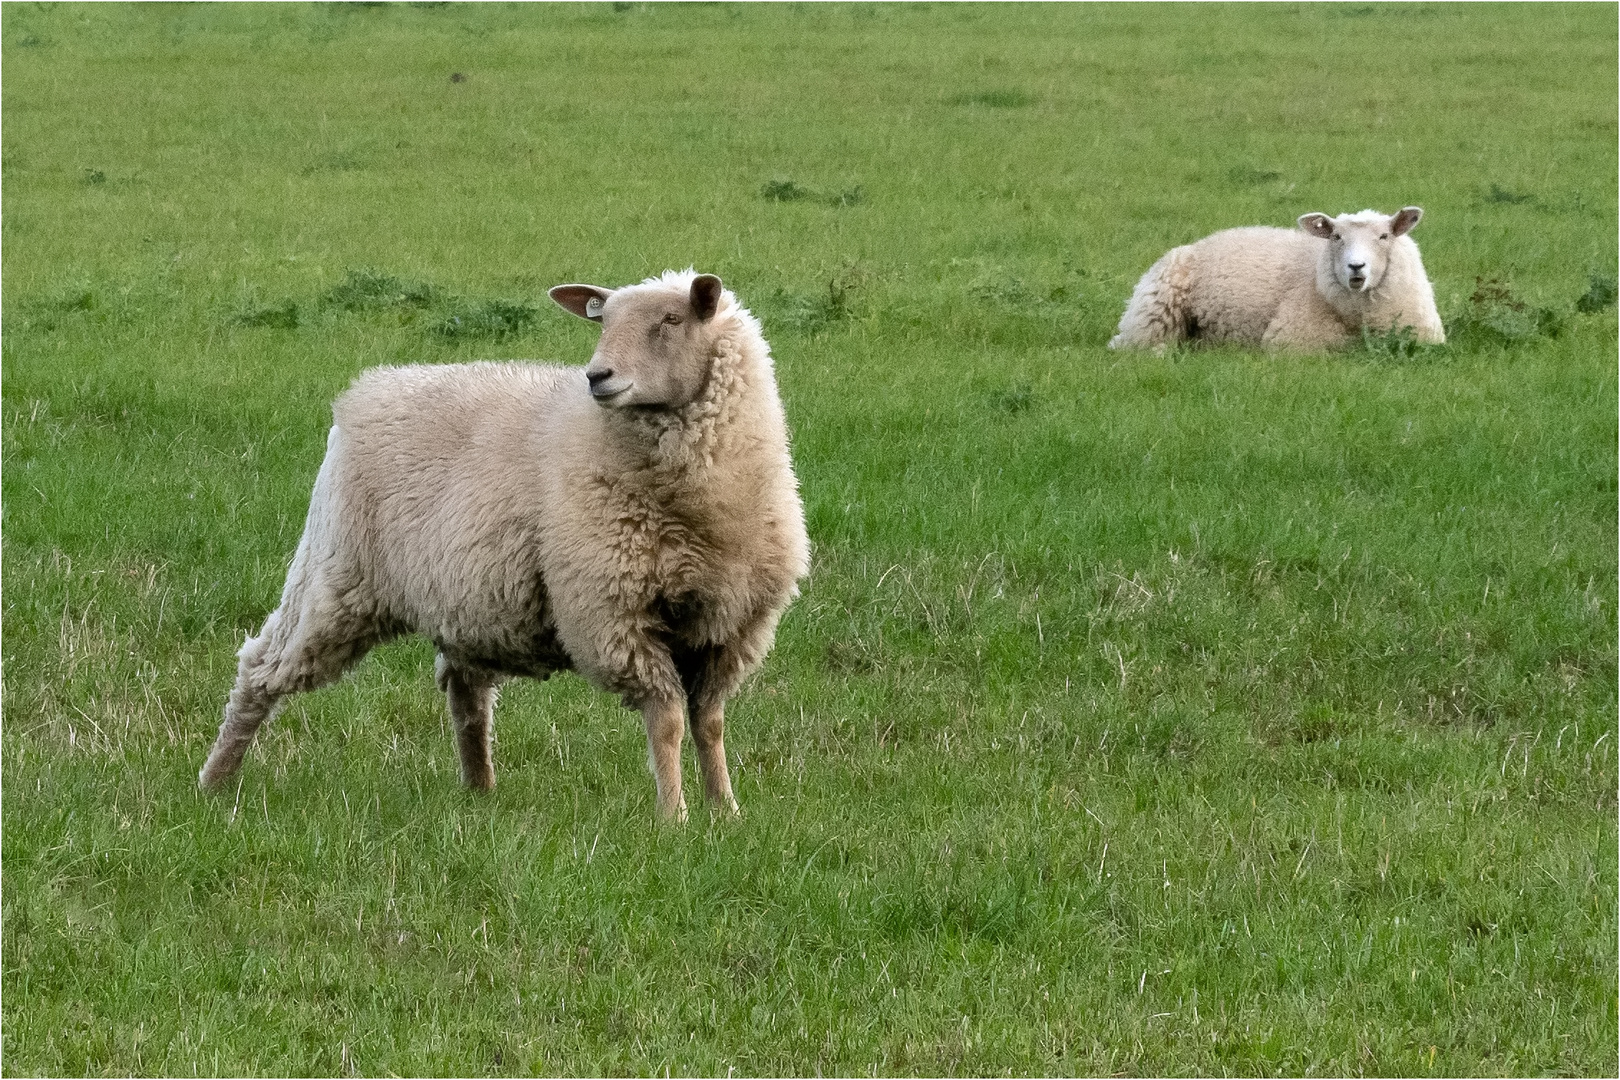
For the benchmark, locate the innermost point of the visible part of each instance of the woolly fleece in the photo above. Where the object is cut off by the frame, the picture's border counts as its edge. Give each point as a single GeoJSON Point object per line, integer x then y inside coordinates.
{"type": "Point", "coordinates": [1285, 288]}
{"type": "Point", "coordinates": [525, 528]}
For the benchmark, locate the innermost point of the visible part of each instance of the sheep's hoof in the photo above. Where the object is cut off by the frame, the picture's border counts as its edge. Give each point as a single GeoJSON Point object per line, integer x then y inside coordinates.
{"type": "Point", "coordinates": [212, 779]}
{"type": "Point", "coordinates": [677, 816]}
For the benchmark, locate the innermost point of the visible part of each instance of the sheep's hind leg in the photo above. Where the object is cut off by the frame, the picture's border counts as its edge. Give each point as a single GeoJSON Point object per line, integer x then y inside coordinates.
{"type": "Point", "coordinates": [662, 716]}
{"type": "Point", "coordinates": [290, 655]}
{"type": "Point", "coordinates": [248, 707]}
{"type": "Point", "coordinates": [1157, 315]}
{"type": "Point", "coordinates": [472, 713]}
{"type": "Point", "coordinates": [708, 733]}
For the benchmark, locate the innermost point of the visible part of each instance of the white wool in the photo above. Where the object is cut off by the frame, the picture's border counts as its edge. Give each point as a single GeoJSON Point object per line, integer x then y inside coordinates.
{"type": "Point", "coordinates": [1287, 288]}
{"type": "Point", "coordinates": [525, 528]}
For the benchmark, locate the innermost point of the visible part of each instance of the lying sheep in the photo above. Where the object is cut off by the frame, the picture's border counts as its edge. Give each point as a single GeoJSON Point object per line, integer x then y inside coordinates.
{"type": "Point", "coordinates": [1311, 288]}
{"type": "Point", "coordinates": [637, 521]}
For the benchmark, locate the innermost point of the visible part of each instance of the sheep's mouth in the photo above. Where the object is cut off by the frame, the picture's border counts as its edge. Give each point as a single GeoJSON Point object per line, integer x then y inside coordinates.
{"type": "Point", "coordinates": [1357, 281]}
{"type": "Point", "coordinates": [606, 395]}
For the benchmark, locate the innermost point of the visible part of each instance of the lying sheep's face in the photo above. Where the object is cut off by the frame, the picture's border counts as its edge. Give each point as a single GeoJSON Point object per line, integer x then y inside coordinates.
{"type": "Point", "coordinates": [657, 340]}
{"type": "Point", "coordinates": [1359, 244]}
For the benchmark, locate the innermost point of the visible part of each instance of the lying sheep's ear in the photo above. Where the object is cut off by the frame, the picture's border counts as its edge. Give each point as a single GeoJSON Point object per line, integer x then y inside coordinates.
{"type": "Point", "coordinates": [583, 300]}
{"type": "Point", "coordinates": [1405, 221]}
{"type": "Point", "coordinates": [705, 296]}
{"type": "Point", "coordinates": [1317, 225]}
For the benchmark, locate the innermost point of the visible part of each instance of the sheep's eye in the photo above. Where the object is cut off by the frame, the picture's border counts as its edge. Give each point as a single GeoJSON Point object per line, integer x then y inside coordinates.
{"type": "Point", "coordinates": [672, 319]}
{"type": "Point", "coordinates": [1383, 236]}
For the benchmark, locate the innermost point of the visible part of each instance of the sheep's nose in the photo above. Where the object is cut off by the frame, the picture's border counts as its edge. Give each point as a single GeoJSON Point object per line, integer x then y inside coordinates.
{"type": "Point", "coordinates": [1358, 266]}
{"type": "Point", "coordinates": [596, 378]}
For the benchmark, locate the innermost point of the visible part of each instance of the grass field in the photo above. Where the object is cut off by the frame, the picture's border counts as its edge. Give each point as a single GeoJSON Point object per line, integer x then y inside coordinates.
{"type": "Point", "coordinates": [1205, 713]}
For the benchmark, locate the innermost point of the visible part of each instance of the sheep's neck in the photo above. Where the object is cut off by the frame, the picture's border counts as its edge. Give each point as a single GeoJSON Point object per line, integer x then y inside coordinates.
{"type": "Point", "coordinates": [691, 438]}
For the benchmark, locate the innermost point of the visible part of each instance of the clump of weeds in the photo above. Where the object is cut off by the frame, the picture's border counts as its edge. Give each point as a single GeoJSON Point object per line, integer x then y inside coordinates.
{"type": "Point", "coordinates": [1500, 194]}
{"type": "Point", "coordinates": [1600, 293]}
{"type": "Point", "coordinates": [1494, 315]}
{"type": "Point", "coordinates": [808, 313]}
{"type": "Point", "coordinates": [1398, 344]}
{"type": "Point", "coordinates": [489, 318]}
{"type": "Point", "coordinates": [994, 99]}
{"type": "Point", "coordinates": [1017, 398]}
{"type": "Point", "coordinates": [366, 289]}
{"type": "Point", "coordinates": [782, 189]}
{"type": "Point", "coordinates": [282, 316]}
{"type": "Point", "coordinates": [444, 315]}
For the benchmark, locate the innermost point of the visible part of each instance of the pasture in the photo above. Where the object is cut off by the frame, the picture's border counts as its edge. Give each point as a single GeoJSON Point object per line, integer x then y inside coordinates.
{"type": "Point", "coordinates": [1210, 712]}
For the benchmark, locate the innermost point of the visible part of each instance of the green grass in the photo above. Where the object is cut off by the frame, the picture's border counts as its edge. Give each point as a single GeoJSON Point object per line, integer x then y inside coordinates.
{"type": "Point", "coordinates": [1211, 712]}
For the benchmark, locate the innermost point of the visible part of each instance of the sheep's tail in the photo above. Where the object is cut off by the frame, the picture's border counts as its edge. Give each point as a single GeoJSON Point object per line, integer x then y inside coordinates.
{"type": "Point", "coordinates": [1159, 312]}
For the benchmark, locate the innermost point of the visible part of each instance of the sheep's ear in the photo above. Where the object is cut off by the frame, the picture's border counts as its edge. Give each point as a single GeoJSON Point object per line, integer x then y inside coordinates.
{"type": "Point", "coordinates": [1405, 221]}
{"type": "Point", "coordinates": [583, 300]}
{"type": "Point", "coordinates": [1317, 225]}
{"type": "Point", "coordinates": [705, 296]}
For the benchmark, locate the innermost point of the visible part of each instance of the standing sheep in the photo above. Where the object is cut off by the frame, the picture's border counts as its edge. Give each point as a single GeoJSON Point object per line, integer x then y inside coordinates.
{"type": "Point", "coordinates": [637, 520]}
{"type": "Point", "coordinates": [1306, 289]}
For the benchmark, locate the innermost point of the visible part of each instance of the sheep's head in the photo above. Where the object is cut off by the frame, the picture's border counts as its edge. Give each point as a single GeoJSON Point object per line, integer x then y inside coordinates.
{"type": "Point", "coordinates": [1359, 244]}
{"type": "Point", "coordinates": [658, 338]}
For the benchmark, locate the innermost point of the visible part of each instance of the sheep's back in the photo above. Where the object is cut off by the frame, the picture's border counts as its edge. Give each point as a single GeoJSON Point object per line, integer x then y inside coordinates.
{"type": "Point", "coordinates": [439, 481]}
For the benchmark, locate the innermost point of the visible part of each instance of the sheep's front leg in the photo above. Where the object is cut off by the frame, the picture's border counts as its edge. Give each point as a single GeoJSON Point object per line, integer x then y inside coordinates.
{"type": "Point", "coordinates": [708, 675]}
{"type": "Point", "coordinates": [708, 732]}
{"type": "Point", "coordinates": [662, 716]}
{"type": "Point", "coordinates": [1304, 323]}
